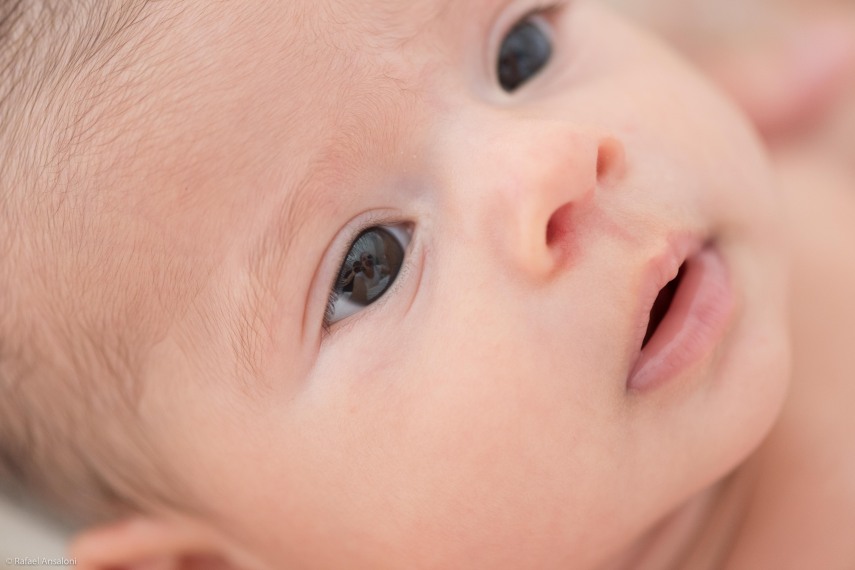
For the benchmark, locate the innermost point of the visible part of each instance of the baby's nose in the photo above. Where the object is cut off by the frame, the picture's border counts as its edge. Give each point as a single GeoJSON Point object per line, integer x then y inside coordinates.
{"type": "Point", "coordinates": [536, 188]}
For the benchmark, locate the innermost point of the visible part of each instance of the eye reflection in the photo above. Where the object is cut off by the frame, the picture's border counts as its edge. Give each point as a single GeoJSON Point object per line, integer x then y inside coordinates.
{"type": "Point", "coordinates": [369, 269]}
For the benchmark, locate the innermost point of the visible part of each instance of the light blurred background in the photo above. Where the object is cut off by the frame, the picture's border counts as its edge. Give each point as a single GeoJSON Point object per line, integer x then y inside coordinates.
{"type": "Point", "coordinates": [24, 535]}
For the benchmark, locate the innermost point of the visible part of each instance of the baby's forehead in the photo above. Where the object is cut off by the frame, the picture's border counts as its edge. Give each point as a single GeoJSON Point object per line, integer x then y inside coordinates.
{"type": "Point", "coordinates": [295, 73]}
{"type": "Point", "coordinates": [317, 56]}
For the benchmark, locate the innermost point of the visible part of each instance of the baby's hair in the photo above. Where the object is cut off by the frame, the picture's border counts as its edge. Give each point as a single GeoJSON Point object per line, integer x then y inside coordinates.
{"type": "Point", "coordinates": [69, 372]}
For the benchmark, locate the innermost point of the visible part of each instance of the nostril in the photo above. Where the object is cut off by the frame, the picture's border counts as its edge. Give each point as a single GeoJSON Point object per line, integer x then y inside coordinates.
{"type": "Point", "coordinates": [610, 160]}
{"type": "Point", "coordinates": [559, 227]}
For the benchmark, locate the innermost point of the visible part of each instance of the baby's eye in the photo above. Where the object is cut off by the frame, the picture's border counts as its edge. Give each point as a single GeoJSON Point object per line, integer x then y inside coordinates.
{"type": "Point", "coordinates": [524, 52]}
{"type": "Point", "coordinates": [373, 261]}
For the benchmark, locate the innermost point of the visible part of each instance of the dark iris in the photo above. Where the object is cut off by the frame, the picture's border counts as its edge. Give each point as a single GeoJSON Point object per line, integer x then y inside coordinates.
{"type": "Point", "coordinates": [524, 52]}
{"type": "Point", "coordinates": [369, 269]}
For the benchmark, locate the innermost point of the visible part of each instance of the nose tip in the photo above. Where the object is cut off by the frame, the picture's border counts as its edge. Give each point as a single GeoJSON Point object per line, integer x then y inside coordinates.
{"type": "Point", "coordinates": [529, 189]}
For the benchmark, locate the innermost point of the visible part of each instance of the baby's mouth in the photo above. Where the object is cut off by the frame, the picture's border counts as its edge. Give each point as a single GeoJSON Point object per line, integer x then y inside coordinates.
{"type": "Point", "coordinates": [662, 304]}
{"type": "Point", "coordinates": [688, 317]}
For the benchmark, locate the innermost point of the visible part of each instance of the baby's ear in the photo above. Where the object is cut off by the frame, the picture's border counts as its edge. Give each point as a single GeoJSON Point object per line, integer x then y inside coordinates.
{"type": "Point", "coordinates": [145, 543]}
{"type": "Point", "coordinates": [785, 84]}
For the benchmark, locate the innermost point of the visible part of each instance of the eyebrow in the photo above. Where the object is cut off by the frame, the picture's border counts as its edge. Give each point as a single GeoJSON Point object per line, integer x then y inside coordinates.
{"type": "Point", "coordinates": [390, 10]}
{"type": "Point", "coordinates": [380, 110]}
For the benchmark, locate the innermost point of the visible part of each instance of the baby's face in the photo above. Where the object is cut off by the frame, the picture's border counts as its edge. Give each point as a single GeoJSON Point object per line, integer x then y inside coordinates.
{"type": "Point", "coordinates": [492, 408]}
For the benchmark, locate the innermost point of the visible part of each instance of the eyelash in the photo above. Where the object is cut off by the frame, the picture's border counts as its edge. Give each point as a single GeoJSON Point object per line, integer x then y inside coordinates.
{"type": "Point", "coordinates": [330, 309]}
{"type": "Point", "coordinates": [546, 7]}
{"type": "Point", "coordinates": [375, 221]}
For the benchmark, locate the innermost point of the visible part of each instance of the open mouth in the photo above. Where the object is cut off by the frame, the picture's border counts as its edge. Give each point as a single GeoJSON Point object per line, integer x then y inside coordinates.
{"type": "Point", "coordinates": [662, 304]}
{"type": "Point", "coordinates": [687, 319]}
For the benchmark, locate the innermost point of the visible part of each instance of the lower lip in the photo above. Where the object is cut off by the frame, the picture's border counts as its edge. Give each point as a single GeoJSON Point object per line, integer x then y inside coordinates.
{"type": "Point", "coordinates": [694, 324]}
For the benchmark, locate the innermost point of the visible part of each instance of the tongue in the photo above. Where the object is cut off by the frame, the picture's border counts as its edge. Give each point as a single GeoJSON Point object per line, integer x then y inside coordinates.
{"type": "Point", "coordinates": [661, 306]}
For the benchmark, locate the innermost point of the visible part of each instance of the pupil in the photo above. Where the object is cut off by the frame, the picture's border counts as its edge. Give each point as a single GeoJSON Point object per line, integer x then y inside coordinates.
{"type": "Point", "coordinates": [525, 50]}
